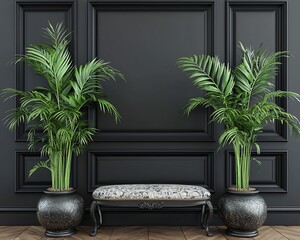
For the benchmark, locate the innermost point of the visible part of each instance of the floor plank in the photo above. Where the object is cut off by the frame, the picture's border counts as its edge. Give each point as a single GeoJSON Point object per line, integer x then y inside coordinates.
{"type": "Point", "coordinates": [104, 233]}
{"type": "Point", "coordinates": [290, 232]}
{"type": "Point", "coordinates": [197, 233]}
{"type": "Point", "coordinates": [166, 233]}
{"type": "Point", "coordinates": [267, 233]}
{"type": "Point", "coordinates": [37, 233]}
{"type": "Point", "coordinates": [149, 233]}
{"type": "Point", "coordinates": [130, 233]}
{"type": "Point", "coordinates": [11, 232]}
{"type": "Point", "coordinates": [34, 233]}
{"type": "Point", "coordinates": [222, 231]}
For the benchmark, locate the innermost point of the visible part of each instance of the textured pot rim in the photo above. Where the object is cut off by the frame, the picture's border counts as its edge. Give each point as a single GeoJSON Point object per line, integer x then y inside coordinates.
{"type": "Point", "coordinates": [242, 192]}
{"type": "Point", "coordinates": [60, 192]}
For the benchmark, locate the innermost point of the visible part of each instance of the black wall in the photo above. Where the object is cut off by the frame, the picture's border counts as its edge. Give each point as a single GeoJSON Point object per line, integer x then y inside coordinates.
{"type": "Point", "coordinates": [154, 143]}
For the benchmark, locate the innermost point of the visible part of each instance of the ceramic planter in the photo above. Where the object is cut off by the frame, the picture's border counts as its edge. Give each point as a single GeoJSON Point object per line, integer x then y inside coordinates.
{"type": "Point", "coordinates": [60, 212]}
{"type": "Point", "coordinates": [243, 212]}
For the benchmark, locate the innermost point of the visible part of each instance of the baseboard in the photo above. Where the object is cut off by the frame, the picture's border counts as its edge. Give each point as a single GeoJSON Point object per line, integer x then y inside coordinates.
{"type": "Point", "coordinates": [287, 209]}
{"type": "Point", "coordinates": [27, 216]}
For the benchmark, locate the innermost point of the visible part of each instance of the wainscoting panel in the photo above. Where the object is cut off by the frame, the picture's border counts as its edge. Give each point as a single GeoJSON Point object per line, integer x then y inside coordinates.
{"type": "Point", "coordinates": [269, 172]}
{"type": "Point", "coordinates": [149, 38]}
{"type": "Point", "coordinates": [31, 18]}
{"type": "Point", "coordinates": [41, 179]}
{"type": "Point", "coordinates": [253, 24]}
{"type": "Point", "coordinates": [197, 168]}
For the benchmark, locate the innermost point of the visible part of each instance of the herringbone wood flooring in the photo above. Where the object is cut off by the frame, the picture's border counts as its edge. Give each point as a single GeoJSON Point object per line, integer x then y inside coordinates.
{"type": "Point", "coordinates": [149, 233]}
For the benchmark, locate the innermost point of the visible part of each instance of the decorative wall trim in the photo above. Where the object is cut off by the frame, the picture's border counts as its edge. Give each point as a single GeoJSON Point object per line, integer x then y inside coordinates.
{"type": "Point", "coordinates": [283, 209]}
{"type": "Point", "coordinates": [280, 8]}
{"type": "Point", "coordinates": [172, 136]}
{"type": "Point", "coordinates": [22, 7]}
{"type": "Point", "coordinates": [92, 161]}
{"type": "Point", "coordinates": [17, 209]}
{"type": "Point", "coordinates": [37, 186]}
{"type": "Point", "coordinates": [277, 185]}
{"type": "Point", "coordinates": [21, 185]}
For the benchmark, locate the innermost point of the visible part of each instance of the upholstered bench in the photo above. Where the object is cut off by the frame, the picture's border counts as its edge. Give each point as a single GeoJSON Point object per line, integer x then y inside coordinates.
{"type": "Point", "coordinates": [152, 196]}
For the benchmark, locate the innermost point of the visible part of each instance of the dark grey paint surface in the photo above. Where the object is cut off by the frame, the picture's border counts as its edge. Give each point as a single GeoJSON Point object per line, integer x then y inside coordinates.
{"type": "Point", "coordinates": [154, 142]}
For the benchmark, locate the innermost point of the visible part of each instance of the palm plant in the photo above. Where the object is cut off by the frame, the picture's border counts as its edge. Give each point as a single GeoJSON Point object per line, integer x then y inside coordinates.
{"type": "Point", "coordinates": [242, 100]}
{"type": "Point", "coordinates": [58, 109]}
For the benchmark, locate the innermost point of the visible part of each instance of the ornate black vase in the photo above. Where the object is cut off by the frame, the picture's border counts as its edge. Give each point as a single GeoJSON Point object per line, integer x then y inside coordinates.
{"type": "Point", "coordinates": [60, 212]}
{"type": "Point", "coordinates": [243, 212]}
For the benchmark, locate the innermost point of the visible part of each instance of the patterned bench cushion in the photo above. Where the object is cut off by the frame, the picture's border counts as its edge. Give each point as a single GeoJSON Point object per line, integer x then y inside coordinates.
{"type": "Point", "coordinates": [151, 192]}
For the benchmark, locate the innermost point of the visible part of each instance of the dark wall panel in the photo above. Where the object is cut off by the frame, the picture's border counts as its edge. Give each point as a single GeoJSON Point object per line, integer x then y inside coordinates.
{"type": "Point", "coordinates": [150, 38]}
{"type": "Point", "coordinates": [39, 181]}
{"type": "Point", "coordinates": [268, 174]}
{"type": "Point", "coordinates": [149, 167]}
{"type": "Point", "coordinates": [31, 18]}
{"type": "Point", "coordinates": [253, 24]}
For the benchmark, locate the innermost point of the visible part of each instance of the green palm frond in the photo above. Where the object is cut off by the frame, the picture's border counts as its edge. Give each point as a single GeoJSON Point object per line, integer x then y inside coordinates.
{"type": "Point", "coordinates": [225, 115]}
{"type": "Point", "coordinates": [41, 164]}
{"type": "Point", "coordinates": [85, 135]}
{"type": "Point", "coordinates": [195, 102]}
{"type": "Point", "coordinates": [89, 77]}
{"type": "Point", "coordinates": [281, 94]}
{"type": "Point", "coordinates": [106, 106]}
{"type": "Point", "coordinates": [256, 71]}
{"type": "Point", "coordinates": [257, 148]}
{"type": "Point", "coordinates": [57, 34]}
{"type": "Point", "coordinates": [231, 135]}
{"type": "Point", "coordinates": [15, 117]}
{"type": "Point", "coordinates": [67, 114]}
{"type": "Point", "coordinates": [208, 73]}
{"type": "Point", "coordinates": [39, 59]}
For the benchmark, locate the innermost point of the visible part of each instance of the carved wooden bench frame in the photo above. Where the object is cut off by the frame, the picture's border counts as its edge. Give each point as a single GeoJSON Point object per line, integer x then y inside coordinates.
{"type": "Point", "coordinates": [206, 215]}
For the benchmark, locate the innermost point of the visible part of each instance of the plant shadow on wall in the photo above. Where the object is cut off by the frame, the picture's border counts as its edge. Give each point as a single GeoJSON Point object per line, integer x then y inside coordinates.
{"type": "Point", "coordinates": [59, 110]}
{"type": "Point", "coordinates": [243, 101]}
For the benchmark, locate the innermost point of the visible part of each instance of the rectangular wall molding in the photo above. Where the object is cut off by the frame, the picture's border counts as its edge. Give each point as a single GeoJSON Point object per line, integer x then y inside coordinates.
{"type": "Point", "coordinates": [24, 183]}
{"type": "Point", "coordinates": [41, 179]}
{"type": "Point", "coordinates": [281, 209]}
{"type": "Point", "coordinates": [31, 17]}
{"type": "Point", "coordinates": [269, 177]}
{"type": "Point", "coordinates": [162, 9]}
{"type": "Point", "coordinates": [150, 167]}
{"type": "Point", "coordinates": [272, 16]}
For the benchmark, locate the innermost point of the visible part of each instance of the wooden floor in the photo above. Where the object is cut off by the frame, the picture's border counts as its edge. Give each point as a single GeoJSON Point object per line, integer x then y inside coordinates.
{"type": "Point", "coordinates": [149, 233]}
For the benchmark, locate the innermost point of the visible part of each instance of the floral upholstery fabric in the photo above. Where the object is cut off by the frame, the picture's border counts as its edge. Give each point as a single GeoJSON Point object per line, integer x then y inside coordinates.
{"type": "Point", "coordinates": [151, 192]}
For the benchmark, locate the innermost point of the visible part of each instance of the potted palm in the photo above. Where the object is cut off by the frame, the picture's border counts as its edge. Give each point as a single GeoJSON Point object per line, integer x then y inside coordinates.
{"type": "Point", "coordinates": [242, 100]}
{"type": "Point", "coordinates": [59, 111]}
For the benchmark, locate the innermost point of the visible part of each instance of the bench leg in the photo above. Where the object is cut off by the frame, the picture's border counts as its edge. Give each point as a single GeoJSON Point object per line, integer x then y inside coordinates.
{"type": "Point", "coordinates": [93, 216]}
{"type": "Point", "coordinates": [202, 217]}
{"type": "Point", "coordinates": [209, 217]}
{"type": "Point", "coordinates": [100, 216]}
